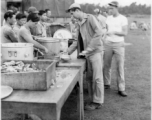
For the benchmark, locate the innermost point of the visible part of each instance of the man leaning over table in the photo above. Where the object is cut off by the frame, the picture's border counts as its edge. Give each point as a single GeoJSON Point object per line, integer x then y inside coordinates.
{"type": "Point", "coordinates": [89, 44]}
{"type": "Point", "coordinates": [25, 32]}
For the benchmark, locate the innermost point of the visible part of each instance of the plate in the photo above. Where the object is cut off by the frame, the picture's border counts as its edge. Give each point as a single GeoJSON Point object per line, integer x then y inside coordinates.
{"type": "Point", "coordinates": [65, 58]}
{"type": "Point", "coordinates": [62, 34]}
{"type": "Point", "coordinates": [6, 91]}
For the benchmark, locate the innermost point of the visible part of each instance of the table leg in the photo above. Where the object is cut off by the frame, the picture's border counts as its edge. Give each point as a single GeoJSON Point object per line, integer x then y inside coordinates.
{"type": "Point", "coordinates": [81, 97]}
{"type": "Point", "coordinates": [80, 101]}
{"type": "Point", "coordinates": [58, 115]}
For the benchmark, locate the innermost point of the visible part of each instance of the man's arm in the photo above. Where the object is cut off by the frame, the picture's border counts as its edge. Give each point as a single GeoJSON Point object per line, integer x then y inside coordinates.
{"type": "Point", "coordinates": [29, 39]}
{"type": "Point", "coordinates": [12, 36]}
{"type": "Point", "coordinates": [124, 32]}
{"type": "Point", "coordinates": [72, 47]}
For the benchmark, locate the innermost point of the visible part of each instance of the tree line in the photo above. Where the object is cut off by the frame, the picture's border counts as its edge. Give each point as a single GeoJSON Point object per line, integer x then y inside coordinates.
{"type": "Point", "coordinates": [131, 9]}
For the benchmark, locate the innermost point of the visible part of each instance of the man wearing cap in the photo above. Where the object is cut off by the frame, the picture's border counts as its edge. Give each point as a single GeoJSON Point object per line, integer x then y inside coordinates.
{"type": "Point", "coordinates": [114, 46]}
{"type": "Point", "coordinates": [89, 44]}
{"type": "Point", "coordinates": [32, 10]}
{"type": "Point", "coordinates": [35, 11]}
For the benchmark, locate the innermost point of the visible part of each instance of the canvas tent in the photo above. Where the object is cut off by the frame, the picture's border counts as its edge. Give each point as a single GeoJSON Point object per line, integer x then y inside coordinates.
{"type": "Point", "coordinates": [57, 7]}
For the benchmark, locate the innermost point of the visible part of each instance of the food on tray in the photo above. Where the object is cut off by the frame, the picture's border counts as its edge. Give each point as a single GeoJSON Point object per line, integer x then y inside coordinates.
{"type": "Point", "coordinates": [19, 66]}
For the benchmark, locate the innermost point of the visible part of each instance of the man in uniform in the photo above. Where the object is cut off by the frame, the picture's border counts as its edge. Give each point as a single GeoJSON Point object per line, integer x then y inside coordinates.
{"type": "Point", "coordinates": [89, 44]}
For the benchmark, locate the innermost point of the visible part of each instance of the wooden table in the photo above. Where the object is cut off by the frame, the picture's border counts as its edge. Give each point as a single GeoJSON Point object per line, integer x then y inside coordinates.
{"type": "Point", "coordinates": [47, 105]}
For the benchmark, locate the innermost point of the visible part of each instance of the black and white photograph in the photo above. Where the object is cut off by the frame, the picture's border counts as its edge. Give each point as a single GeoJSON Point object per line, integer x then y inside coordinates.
{"type": "Point", "coordinates": [75, 60]}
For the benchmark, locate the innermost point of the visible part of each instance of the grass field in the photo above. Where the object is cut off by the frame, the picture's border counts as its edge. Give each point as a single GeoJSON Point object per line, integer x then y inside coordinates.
{"type": "Point", "coordinates": [137, 106]}
{"type": "Point", "coordinates": [138, 83]}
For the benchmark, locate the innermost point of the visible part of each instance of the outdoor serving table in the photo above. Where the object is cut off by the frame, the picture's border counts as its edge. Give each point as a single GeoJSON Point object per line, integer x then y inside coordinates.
{"type": "Point", "coordinates": [47, 105]}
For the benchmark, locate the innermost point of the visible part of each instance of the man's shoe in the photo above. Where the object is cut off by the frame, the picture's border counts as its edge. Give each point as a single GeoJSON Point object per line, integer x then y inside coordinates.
{"type": "Point", "coordinates": [122, 93]}
{"type": "Point", "coordinates": [107, 86]}
{"type": "Point", "coordinates": [92, 106]}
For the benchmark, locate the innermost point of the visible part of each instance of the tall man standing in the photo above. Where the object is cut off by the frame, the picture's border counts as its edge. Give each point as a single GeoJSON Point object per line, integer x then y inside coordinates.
{"type": "Point", "coordinates": [114, 46]}
{"type": "Point", "coordinates": [89, 44]}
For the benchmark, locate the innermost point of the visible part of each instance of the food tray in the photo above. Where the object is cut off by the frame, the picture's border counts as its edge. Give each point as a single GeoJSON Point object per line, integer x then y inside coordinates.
{"type": "Point", "coordinates": [39, 80]}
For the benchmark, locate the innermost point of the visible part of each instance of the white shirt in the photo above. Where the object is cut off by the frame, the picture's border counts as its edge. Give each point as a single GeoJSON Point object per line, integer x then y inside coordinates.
{"type": "Point", "coordinates": [41, 28]}
{"type": "Point", "coordinates": [115, 24]}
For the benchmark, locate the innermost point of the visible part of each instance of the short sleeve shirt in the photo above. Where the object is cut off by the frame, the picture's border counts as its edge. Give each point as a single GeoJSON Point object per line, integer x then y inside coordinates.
{"type": "Point", "coordinates": [115, 24]}
{"type": "Point", "coordinates": [41, 29]}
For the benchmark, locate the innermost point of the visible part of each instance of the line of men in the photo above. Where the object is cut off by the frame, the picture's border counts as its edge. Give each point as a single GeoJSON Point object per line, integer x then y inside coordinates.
{"type": "Point", "coordinates": [99, 39]}
{"type": "Point", "coordinates": [99, 46]}
{"type": "Point", "coordinates": [23, 27]}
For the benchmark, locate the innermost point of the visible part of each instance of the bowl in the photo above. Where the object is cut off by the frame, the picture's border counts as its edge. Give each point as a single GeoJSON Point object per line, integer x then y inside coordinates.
{"type": "Point", "coordinates": [65, 58]}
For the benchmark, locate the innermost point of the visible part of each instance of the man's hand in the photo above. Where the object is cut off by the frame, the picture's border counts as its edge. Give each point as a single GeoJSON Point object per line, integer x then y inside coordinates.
{"type": "Point", "coordinates": [83, 53]}
{"type": "Point", "coordinates": [64, 52]}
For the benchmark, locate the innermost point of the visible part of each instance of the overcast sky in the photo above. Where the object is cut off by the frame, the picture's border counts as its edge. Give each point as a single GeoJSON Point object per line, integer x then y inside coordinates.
{"type": "Point", "coordinates": [121, 2]}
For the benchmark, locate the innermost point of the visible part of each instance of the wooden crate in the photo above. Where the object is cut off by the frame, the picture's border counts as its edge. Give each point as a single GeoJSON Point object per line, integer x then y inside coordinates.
{"type": "Point", "coordinates": [32, 80]}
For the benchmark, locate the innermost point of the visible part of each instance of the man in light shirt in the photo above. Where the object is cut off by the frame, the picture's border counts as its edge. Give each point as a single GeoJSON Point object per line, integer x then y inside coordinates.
{"type": "Point", "coordinates": [41, 27]}
{"type": "Point", "coordinates": [114, 46]}
{"type": "Point", "coordinates": [48, 14]}
{"type": "Point", "coordinates": [21, 20]}
{"type": "Point", "coordinates": [7, 33]}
